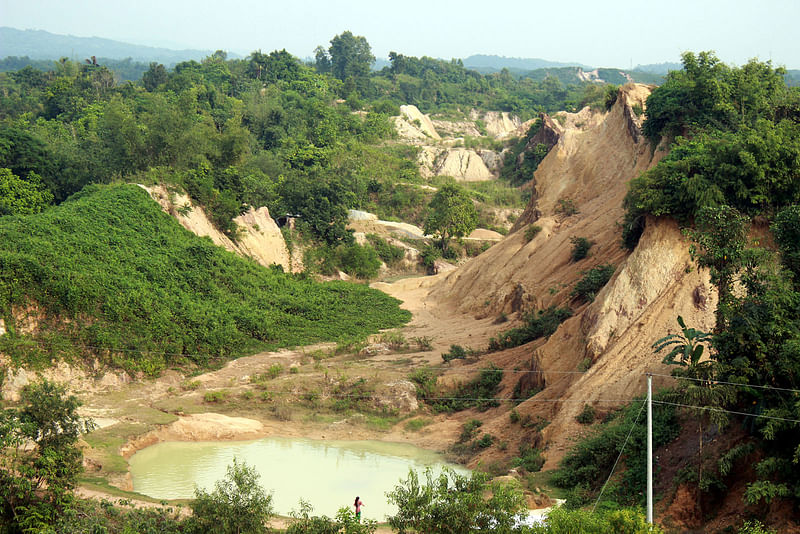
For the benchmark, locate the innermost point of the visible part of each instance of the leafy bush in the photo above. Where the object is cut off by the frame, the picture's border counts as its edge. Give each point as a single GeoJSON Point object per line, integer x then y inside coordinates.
{"type": "Point", "coordinates": [238, 503]}
{"type": "Point", "coordinates": [563, 520]}
{"type": "Point", "coordinates": [424, 343]}
{"type": "Point", "coordinates": [216, 396]}
{"type": "Point", "coordinates": [532, 231]}
{"type": "Point", "coordinates": [478, 393]}
{"type": "Point", "coordinates": [457, 352]}
{"type": "Point", "coordinates": [389, 254]}
{"type": "Point", "coordinates": [580, 247]}
{"type": "Point", "coordinates": [469, 430]}
{"type": "Point", "coordinates": [540, 324]}
{"type": "Point", "coordinates": [593, 281]}
{"type": "Point", "coordinates": [425, 381]}
{"type": "Point", "coordinates": [586, 417]}
{"type": "Point", "coordinates": [566, 207]}
{"type": "Point", "coordinates": [454, 503]}
{"type": "Point", "coordinates": [530, 459]}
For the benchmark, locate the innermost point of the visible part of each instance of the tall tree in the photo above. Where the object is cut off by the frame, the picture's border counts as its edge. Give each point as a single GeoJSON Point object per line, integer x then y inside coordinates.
{"type": "Point", "coordinates": [451, 214]}
{"type": "Point", "coordinates": [350, 56]}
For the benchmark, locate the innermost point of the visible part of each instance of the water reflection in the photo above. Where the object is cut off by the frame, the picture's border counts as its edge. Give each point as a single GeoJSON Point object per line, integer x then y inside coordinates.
{"type": "Point", "coordinates": [329, 474]}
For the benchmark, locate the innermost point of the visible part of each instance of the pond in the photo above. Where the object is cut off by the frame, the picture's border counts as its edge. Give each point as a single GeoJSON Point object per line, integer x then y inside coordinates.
{"type": "Point", "coordinates": [328, 474]}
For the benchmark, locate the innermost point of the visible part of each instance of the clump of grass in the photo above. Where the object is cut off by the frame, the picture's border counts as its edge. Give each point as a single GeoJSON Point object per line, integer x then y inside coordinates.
{"type": "Point", "coordinates": [415, 425]}
{"type": "Point", "coordinates": [218, 396]}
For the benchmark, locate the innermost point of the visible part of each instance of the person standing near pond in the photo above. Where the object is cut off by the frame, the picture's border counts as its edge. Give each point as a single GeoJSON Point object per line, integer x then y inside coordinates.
{"type": "Point", "coordinates": [358, 504]}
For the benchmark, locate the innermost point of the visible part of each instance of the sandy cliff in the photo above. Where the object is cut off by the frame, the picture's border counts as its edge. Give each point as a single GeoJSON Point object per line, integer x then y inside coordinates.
{"type": "Point", "coordinates": [590, 166]}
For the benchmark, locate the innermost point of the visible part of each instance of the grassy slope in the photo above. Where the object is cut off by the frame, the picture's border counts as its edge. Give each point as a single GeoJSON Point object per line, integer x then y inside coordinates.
{"type": "Point", "coordinates": [112, 270]}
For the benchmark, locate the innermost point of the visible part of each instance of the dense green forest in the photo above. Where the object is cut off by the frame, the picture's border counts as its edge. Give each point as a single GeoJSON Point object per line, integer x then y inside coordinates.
{"type": "Point", "coordinates": [732, 178]}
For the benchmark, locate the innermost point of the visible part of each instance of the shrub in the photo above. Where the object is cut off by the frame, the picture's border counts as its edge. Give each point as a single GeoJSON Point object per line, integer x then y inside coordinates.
{"type": "Point", "coordinates": [389, 254]}
{"type": "Point", "coordinates": [486, 441]}
{"type": "Point", "coordinates": [478, 393]}
{"type": "Point", "coordinates": [469, 430]}
{"type": "Point", "coordinates": [394, 340]}
{"type": "Point", "coordinates": [274, 370]}
{"type": "Point", "coordinates": [425, 381]}
{"type": "Point", "coordinates": [588, 463]}
{"type": "Point", "coordinates": [415, 425]}
{"type": "Point", "coordinates": [190, 385]}
{"type": "Point", "coordinates": [532, 231]}
{"type": "Point", "coordinates": [421, 504]}
{"type": "Point", "coordinates": [359, 261]}
{"type": "Point", "coordinates": [566, 207]}
{"type": "Point", "coordinates": [586, 417]}
{"type": "Point", "coordinates": [593, 281]}
{"type": "Point", "coordinates": [540, 324]}
{"type": "Point", "coordinates": [530, 459]}
{"type": "Point", "coordinates": [238, 503]}
{"type": "Point", "coordinates": [424, 343]}
{"type": "Point", "coordinates": [216, 396]}
{"type": "Point", "coordinates": [457, 352]}
{"type": "Point", "coordinates": [580, 247]}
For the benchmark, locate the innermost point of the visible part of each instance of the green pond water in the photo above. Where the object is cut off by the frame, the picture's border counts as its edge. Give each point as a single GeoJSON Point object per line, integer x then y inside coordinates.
{"type": "Point", "coordinates": [328, 474]}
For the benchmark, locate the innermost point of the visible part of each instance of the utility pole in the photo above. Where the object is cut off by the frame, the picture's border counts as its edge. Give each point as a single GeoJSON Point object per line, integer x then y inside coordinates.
{"type": "Point", "coordinates": [649, 448]}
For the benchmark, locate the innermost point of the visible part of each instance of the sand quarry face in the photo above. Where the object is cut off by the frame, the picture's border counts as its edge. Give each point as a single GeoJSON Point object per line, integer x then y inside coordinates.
{"type": "Point", "coordinates": [591, 167]}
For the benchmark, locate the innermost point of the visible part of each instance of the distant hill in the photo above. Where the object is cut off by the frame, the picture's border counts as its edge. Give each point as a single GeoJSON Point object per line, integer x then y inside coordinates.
{"type": "Point", "coordinates": [792, 78]}
{"type": "Point", "coordinates": [39, 44]}
{"type": "Point", "coordinates": [659, 68]}
{"type": "Point", "coordinates": [484, 63]}
{"type": "Point", "coordinates": [570, 75]}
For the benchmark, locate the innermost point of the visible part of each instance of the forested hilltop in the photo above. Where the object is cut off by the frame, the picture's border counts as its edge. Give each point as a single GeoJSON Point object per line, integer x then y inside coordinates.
{"type": "Point", "coordinates": [93, 271]}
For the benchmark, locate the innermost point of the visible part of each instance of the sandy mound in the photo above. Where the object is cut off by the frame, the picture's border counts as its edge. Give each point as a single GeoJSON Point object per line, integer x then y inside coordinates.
{"type": "Point", "coordinates": [198, 427]}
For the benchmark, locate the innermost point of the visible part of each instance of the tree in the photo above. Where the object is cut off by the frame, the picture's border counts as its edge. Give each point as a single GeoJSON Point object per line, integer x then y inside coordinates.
{"type": "Point", "coordinates": [453, 503]}
{"type": "Point", "coordinates": [156, 75]}
{"type": "Point", "coordinates": [350, 56]}
{"type": "Point", "coordinates": [22, 197]}
{"type": "Point", "coordinates": [39, 457]}
{"type": "Point", "coordinates": [238, 504]}
{"type": "Point", "coordinates": [451, 214]}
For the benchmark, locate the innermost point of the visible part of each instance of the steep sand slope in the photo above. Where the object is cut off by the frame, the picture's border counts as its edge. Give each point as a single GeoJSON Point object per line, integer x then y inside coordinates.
{"type": "Point", "coordinates": [259, 237]}
{"type": "Point", "coordinates": [591, 168]}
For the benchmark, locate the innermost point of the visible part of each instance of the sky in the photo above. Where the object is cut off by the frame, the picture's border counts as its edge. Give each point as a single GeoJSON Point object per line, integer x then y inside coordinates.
{"type": "Point", "coordinates": [593, 32]}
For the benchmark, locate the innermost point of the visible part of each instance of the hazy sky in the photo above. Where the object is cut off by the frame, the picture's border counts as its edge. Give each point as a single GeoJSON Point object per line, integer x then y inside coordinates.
{"type": "Point", "coordinates": [594, 32]}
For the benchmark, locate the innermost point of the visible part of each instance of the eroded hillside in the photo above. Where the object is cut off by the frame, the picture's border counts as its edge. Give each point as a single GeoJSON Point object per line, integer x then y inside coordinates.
{"type": "Point", "coordinates": [579, 189]}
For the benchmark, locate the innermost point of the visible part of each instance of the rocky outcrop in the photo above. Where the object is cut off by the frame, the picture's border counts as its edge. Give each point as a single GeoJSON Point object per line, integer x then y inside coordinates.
{"type": "Point", "coordinates": [462, 164]}
{"type": "Point", "coordinates": [258, 237]}
{"type": "Point", "coordinates": [78, 379]}
{"type": "Point", "coordinates": [498, 124]}
{"type": "Point", "coordinates": [398, 396]}
{"type": "Point", "coordinates": [414, 126]}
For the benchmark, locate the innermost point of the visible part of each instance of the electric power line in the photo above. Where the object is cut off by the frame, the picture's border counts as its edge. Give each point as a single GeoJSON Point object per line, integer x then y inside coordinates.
{"type": "Point", "coordinates": [715, 409]}
{"type": "Point", "coordinates": [760, 386]}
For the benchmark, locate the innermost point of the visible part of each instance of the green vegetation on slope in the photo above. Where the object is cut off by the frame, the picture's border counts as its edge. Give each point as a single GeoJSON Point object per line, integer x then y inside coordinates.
{"type": "Point", "coordinates": [112, 272]}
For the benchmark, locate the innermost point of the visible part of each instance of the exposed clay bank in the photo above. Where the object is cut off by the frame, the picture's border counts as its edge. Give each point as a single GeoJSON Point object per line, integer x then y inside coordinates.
{"type": "Point", "coordinates": [328, 474]}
